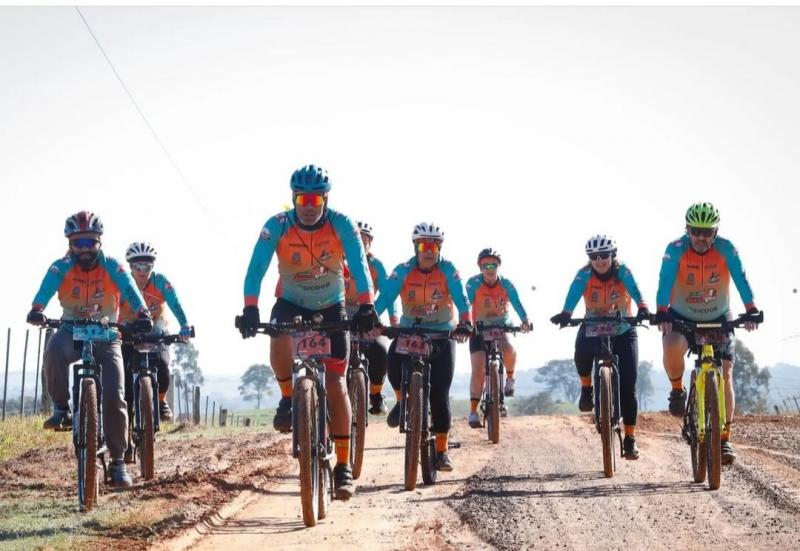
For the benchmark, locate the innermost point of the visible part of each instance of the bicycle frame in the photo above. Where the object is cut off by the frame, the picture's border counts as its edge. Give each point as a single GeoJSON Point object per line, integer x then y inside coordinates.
{"type": "Point", "coordinates": [708, 362]}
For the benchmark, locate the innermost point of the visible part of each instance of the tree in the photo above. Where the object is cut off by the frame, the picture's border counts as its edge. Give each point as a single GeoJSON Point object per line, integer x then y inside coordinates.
{"type": "Point", "coordinates": [256, 381]}
{"type": "Point", "coordinates": [538, 404]}
{"type": "Point", "coordinates": [644, 384]}
{"type": "Point", "coordinates": [750, 383]}
{"type": "Point", "coordinates": [186, 370]}
{"type": "Point", "coordinates": [561, 377]}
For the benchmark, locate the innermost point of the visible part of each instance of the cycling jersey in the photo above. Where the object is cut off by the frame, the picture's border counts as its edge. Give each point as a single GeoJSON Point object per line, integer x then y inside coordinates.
{"type": "Point", "coordinates": [378, 273]}
{"type": "Point", "coordinates": [89, 294]}
{"type": "Point", "coordinates": [605, 297]}
{"type": "Point", "coordinates": [490, 303]}
{"type": "Point", "coordinates": [432, 296]}
{"type": "Point", "coordinates": [697, 285]}
{"type": "Point", "coordinates": [157, 291]}
{"type": "Point", "coordinates": [310, 262]}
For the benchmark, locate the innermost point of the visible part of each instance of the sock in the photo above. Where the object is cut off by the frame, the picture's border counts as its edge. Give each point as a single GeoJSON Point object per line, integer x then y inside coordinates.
{"type": "Point", "coordinates": [726, 435]}
{"type": "Point", "coordinates": [510, 375]}
{"type": "Point", "coordinates": [397, 394]}
{"type": "Point", "coordinates": [375, 389]}
{"type": "Point", "coordinates": [630, 430]}
{"type": "Point", "coordinates": [162, 396]}
{"type": "Point", "coordinates": [286, 387]}
{"type": "Point", "coordinates": [473, 405]}
{"type": "Point", "coordinates": [586, 381]}
{"type": "Point", "coordinates": [441, 442]}
{"type": "Point", "coordinates": [342, 444]}
{"type": "Point", "coordinates": [677, 384]}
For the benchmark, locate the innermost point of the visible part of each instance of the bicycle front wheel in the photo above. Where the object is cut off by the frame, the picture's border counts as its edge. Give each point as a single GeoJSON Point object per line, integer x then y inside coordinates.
{"type": "Point", "coordinates": [147, 438]}
{"type": "Point", "coordinates": [87, 446]}
{"type": "Point", "coordinates": [698, 448]}
{"type": "Point", "coordinates": [605, 421]}
{"type": "Point", "coordinates": [493, 409]}
{"type": "Point", "coordinates": [413, 429]}
{"type": "Point", "coordinates": [358, 401]}
{"type": "Point", "coordinates": [305, 409]}
{"type": "Point", "coordinates": [713, 436]}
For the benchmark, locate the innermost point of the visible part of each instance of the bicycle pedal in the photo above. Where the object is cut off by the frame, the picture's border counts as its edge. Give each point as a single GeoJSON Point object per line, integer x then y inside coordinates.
{"type": "Point", "coordinates": [454, 445]}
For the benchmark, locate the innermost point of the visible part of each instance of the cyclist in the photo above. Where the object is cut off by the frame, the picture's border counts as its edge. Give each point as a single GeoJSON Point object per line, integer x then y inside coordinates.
{"type": "Point", "coordinates": [90, 285]}
{"type": "Point", "coordinates": [607, 286]}
{"type": "Point", "coordinates": [375, 351]}
{"type": "Point", "coordinates": [693, 285]}
{"type": "Point", "coordinates": [156, 290]}
{"type": "Point", "coordinates": [312, 242]}
{"type": "Point", "coordinates": [429, 286]}
{"type": "Point", "coordinates": [490, 296]}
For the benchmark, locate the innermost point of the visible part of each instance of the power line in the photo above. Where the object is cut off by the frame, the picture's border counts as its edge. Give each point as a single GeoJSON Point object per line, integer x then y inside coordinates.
{"type": "Point", "coordinates": [144, 118]}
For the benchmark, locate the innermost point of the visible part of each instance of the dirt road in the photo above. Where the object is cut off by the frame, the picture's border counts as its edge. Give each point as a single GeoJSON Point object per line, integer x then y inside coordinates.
{"type": "Point", "coordinates": [541, 487]}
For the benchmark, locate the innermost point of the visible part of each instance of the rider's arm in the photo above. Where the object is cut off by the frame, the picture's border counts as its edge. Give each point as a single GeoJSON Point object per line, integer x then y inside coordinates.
{"type": "Point", "coordinates": [457, 291]}
{"type": "Point", "coordinates": [123, 279]}
{"type": "Point", "coordinates": [391, 290]}
{"type": "Point", "coordinates": [576, 289]}
{"type": "Point", "coordinates": [473, 284]}
{"type": "Point", "coordinates": [168, 292]}
{"type": "Point", "coordinates": [734, 262]}
{"type": "Point", "coordinates": [265, 247]}
{"type": "Point", "coordinates": [354, 253]}
{"type": "Point", "coordinates": [669, 272]}
{"type": "Point", "coordinates": [52, 280]}
{"type": "Point", "coordinates": [628, 280]}
{"type": "Point", "coordinates": [380, 273]}
{"type": "Point", "coordinates": [513, 296]}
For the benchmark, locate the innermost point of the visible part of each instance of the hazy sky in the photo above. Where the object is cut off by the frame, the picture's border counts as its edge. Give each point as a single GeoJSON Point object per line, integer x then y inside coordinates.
{"type": "Point", "coordinates": [524, 129]}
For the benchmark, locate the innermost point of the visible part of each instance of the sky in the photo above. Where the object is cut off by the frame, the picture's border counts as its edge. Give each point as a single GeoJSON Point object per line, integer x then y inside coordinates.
{"type": "Point", "coordinates": [524, 129]}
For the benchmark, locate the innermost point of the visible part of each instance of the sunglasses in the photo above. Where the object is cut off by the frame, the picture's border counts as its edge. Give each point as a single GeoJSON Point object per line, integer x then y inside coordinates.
{"type": "Point", "coordinates": [702, 232]}
{"type": "Point", "coordinates": [309, 200]}
{"type": "Point", "coordinates": [84, 243]}
{"type": "Point", "coordinates": [141, 266]}
{"type": "Point", "coordinates": [599, 256]}
{"type": "Point", "coordinates": [426, 246]}
{"type": "Point", "coordinates": [489, 266]}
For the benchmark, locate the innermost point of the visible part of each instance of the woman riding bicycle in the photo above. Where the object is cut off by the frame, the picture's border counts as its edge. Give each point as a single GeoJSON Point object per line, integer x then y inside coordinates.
{"type": "Point", "coordinates": [607, 286]}
{"type": "Point", "coordinates": [429, 286]}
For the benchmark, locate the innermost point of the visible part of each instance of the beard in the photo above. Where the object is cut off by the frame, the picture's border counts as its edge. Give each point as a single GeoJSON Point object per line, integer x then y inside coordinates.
{"type": "Point", "coordinates": [87, 261]}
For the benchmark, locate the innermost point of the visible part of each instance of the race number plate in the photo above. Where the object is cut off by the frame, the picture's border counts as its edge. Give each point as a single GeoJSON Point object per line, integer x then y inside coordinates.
{"type": "Point", "coordinates": [311, 344]}
{"type": "Point", "coordinates": [710, 337]}
{"type": "Point", "coordinates": [601, 329]}
{"type": "Point", "coordinates": [412, 344]}
{"type": "Point", "coordinates": [493, 334]}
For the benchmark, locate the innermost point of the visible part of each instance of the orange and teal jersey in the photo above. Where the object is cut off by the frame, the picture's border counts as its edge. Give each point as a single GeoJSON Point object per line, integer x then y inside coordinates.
{"type": "Point", "coordinates": [91, 294]}
{"type": "Point", "coordinates": [156, 293]}
{"type": "Point", "coordinates": [311, 262]}
{"type": "Point", "coordinates": [490, 303]}
{"type": "Point", "coordinates": [697, 286]}
{"type": "Point", "coordinates": [606, 296]}
{"type": "Point", "coordinates": [377, 271]}
{"type": "Point", "coordinates": [432, 297]}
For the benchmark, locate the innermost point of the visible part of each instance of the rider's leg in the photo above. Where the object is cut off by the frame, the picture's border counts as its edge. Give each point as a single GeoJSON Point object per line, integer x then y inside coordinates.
{"type": "Point", "coordinates": [394, 370]}
{"type": "Point", "coordinates": [626, 347]}
{"type": "Point", "coordinates": [339, 404]}
{"type": "Point", "coordinates": [281, 357]}
{"type": "Point", "coordinates": [442, 368]}
{"type": "Point", "coordinates": [162, 372]}
{"type": "Point", "coordinates": [478, 359]}
{"type": "Point", "coordinates": [58, 356]}
{"type": "Point", "coordinates": [509, 359]}
{"type": "Point", "coordinates": [115, 411]}
{"type": "Point", "coordinates": [675, 346]}
{"type": "Point", "coordinates": [585, 348]}
{"type": "Point", "coordinates": [377, 356]}
{"type": "Point", "coordinates": [730, 396]}
{"type": "Point", "coordinates": [129, 356]}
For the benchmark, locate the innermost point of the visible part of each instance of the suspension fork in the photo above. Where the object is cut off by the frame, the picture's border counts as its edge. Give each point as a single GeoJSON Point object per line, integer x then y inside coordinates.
{"type": "Point", "coordinates": [704, 365]}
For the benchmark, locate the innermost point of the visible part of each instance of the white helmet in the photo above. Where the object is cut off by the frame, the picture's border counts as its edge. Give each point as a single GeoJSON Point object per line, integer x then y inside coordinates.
{"type": "Point", "coordinates": [365, 228]}
{"type": "Point", "coordinates": [600, 244]}
{"type": "Point", "coordinates": [426, 230]}
{"type": "Point", "coordinates": [140, 249]}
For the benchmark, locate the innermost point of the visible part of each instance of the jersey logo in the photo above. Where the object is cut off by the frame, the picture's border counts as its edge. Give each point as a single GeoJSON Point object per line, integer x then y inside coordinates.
{"type": "Point", "coordinates": [595, 297]}
{"type": "Point", "coordinates": [714, 278]}
{"type": "Point", "coordinates": [76, 292]}
{"type": "Point", "coordinates": [393, 275]}
{"type": "Point", "coordinates": [690, 278]}
{"type": "Point", "coordinates": [54, 269]}
{"type": "Point", "coordinates": [295, 257]}
{"type": "Point", "coordinates": [265, 234]}
{"type": "Point", "coordinates": [99, 292]}
{"type": "Point", "coordinates": [614, 295]}
{"type": "Point", "coordinates": [412, 294]}
{"type": "Point", "coordinates": [702, 297]}
{"type": "Point", "coordinates": [325, 255]}
{"type": "Point", "coordinates": [437, 295]}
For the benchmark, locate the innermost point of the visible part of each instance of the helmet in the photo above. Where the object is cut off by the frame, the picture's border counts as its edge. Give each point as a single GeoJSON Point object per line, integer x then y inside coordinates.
{"type": "Point", "coordinates": [600, 244]}
{"type": "Point", "coordinates": [702, 215]}
{"type": "Point", "coordinates": [140, 249]}
{"type": "Point", "coordinates": [425, 230]}
{"type": "Point", "coordinates": [310, 179]}
{"type": "Point", "coordinates": [83, 221]}
{"type": "Point", "coordinates": [489, 252]}
{"type": "Point", "coordinates": [365, 228]}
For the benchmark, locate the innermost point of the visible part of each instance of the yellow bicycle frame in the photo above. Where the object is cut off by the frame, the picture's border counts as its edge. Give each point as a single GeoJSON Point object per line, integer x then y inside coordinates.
{"type": "Point", "coordinates": [707, 364]}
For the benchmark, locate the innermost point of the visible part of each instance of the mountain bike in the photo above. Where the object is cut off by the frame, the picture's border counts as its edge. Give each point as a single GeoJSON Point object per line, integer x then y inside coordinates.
{"type": "Point", "coordinates": [418, 345]}
{"type": "Point", "coordinates": [606, 383]}
{"type": "Point", "coordinates": [357, 390]}
{"type": "Point", "coordinates": [493, 394]}
{"type": "Point", "coordinates": [88, 436]}
{"type": "Point", "coordinates": [312, 444]}
{"type": "Point", "coordinates": [705, 419]}
{"type": "Point", "coordinates": [145, 421]}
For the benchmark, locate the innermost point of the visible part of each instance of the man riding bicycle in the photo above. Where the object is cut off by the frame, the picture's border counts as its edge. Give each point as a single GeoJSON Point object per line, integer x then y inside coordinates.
{"type": "Point", "coordinates": [375, 351]}
{"type": "Point", "coordinates": [607, 286]}
{"type": "Point", "coordinates": [156, 290]}
{"type": "Point", "coordinates": [693, 285]}
{"type": "Point", "coordinates": [490, 296]}
{"type": "Point", "coordinates": [429, 286]}
{"type": "Point", "coordinates": [90, 285]}
{"type": "Point", "coordinates": [312, 242]}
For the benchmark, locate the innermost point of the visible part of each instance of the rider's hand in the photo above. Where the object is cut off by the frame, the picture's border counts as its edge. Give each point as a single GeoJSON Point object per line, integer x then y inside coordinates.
{"type": "Point", "coordinates": [526, 326]}
{"type": "Point", "coordinates": [463, 331]}
{"type": "Point", "coordinates": [36, 317]}
{"type": "Point", "coordinates": [752, 325]}
{"type": "Point", "coordinates": [186, 333]}
{"type": "Point", "coordinates": [643, 314]}
{"type": "Point", "coordinates": [249, 322]}
{"type": "Point", "coordinates": [366, 319]}
{"type": "Point", "coordinates": [143, 323]}
{"type": "Point", "coordinates": [664, 321]}
{"type": "Point", "coordinates": [562, 319]}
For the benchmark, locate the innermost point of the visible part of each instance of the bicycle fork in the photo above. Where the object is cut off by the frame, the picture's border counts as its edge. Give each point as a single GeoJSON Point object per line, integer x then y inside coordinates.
{"type": "Point", "coordinates": [81, 371]}
{"type": "Point", "coordinates": [706, 364]}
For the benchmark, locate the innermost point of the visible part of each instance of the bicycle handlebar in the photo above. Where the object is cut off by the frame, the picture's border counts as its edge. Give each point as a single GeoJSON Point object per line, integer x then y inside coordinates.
{"type": "Point", "coordinates": [129, 337]}
{"type": "Point", "coordinates": [393, 332]}
{"type": "Point", "coordinates": [480, 326]}
{"type": "Point", "coordinates": [58, 323]}
{"type": "Point", "coordinates": [276, 329]}
{"type": "Point", "coordinates": [605, 319]}
{"type": "Point", "coordinates": [725, 326]}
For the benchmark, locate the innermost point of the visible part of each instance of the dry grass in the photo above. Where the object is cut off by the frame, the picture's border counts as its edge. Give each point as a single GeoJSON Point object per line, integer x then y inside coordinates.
{"type": "Point", "coordinates": [20, 434]}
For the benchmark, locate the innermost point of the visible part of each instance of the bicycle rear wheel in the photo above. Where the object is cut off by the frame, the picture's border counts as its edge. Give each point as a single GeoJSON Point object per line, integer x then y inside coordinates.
{"type": "Point", "coordinates": [358, 401]}
{"type": "Point", "coordinates": [413, 429]}
{"type": "Point", "coordinates": [698, 449]}
{"type": "Point", "coordinates": [87, 446]}
{"type": "Point", "coordinates": [147, 438]}
{"type": "Point", "coordinates": [713, 436]}
{"type": "Point", "coordinates": [606, 409]}
{"type": "Point", "coordinates": [493, 409]}
{"type": "Point", "coordinates": [305, 404]}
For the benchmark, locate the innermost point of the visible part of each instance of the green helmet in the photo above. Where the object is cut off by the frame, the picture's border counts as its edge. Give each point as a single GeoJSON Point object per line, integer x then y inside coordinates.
{"type": "Point", "coordinates": [702, 215]}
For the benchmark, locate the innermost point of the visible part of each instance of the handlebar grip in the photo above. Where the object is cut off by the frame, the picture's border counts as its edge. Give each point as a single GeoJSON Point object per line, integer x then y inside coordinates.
{"type": "Point", "coordinates": [237, 322]}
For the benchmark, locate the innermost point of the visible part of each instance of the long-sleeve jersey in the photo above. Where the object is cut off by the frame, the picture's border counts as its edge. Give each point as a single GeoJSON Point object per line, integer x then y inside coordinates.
{"type": "Point", "coordinates": [378, 273]}
{"type": "Point", "coordinates": [311, 263]}
{"type": "Point", "coordinates": [94, 294]}
{"type": "Point", "coordinates": [605, 297]}
{"type": "Point", "coordinates": [697, 286]}
{"type": "Point", "coordinates": [157, 292]}
{"type": "Point", "coordinates": [432, 296]}
{"type": "Point", "coordinates": [490, 303]}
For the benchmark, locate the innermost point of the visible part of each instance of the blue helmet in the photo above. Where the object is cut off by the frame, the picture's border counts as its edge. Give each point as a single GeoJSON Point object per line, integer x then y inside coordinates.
{"type": "Point", "coordinates": [310, 179]}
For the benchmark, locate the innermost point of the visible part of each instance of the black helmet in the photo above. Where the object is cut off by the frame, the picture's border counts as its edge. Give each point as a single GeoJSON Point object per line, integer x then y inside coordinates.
{"type": "Point", "coordinates": [489, 252]}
